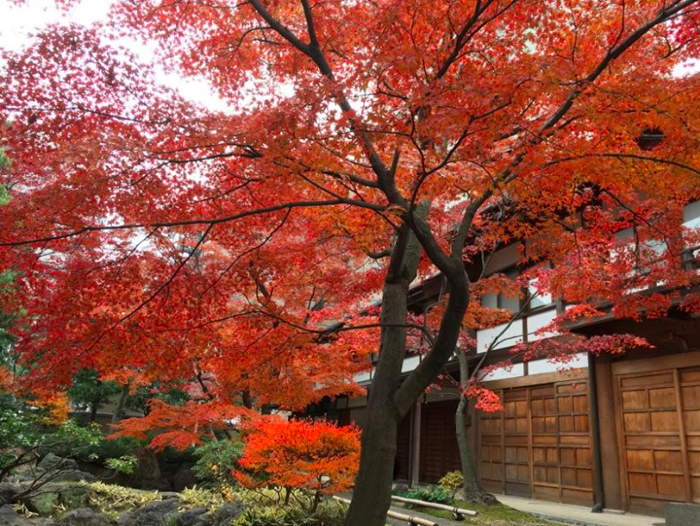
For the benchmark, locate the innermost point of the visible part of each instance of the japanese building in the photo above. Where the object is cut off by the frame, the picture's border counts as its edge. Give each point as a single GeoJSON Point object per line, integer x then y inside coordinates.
{"type": "Point", "coordinates": [619, 432]}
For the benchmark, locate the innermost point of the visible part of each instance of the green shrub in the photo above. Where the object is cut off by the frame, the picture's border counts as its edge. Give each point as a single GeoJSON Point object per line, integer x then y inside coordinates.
{"type": "Point", "coordinates": [327, 514]}
{"type": "Point", "coordinates": [429, 494]}
{"type": "Point", "coordinates": [70, 439]}
{"type": "Point", "coordinates": [111, 499]}
{"type": "Point", "coordinates": [117, 447]}
{"type": "Point", "coordinates": [215, 462]}
{"type": "Point", "coordinates": [125, 464]}
{"type": "Point", "coordinates": [200, 498]}
{"type": "Point", "coordinates": [452, 481]}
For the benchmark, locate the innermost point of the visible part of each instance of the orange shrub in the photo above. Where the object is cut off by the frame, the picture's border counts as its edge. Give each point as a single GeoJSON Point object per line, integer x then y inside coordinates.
{"type": "Point", "coordinates": [314, 456]}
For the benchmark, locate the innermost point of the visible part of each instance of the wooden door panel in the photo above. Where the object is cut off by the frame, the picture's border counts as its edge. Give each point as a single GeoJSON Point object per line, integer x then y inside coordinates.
{"type": "Point", "coordinates": [439, 452]}
{"type": "Point", "coordinates": [544, 437]}
{"type": "Point", "coordinates": [491, 451]}
{"type": "Point", "coordinates": [403, 449]}
{"type": "Point", "coordinates": [689, 384]}
{"type": "Point", "coordinates": [659, 412]}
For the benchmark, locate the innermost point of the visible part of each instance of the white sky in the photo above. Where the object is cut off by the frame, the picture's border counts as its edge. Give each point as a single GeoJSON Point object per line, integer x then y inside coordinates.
{"type": "Point", "coordinates": [17, 23]}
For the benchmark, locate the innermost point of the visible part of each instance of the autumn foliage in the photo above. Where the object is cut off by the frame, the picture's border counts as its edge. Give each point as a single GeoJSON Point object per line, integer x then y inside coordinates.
{"type": "Point", "coordinates": [179, 427]}
{"type": "Point", "coordinates": [318, 457]}
{"type": "Point", "coordinates": [238, 249]}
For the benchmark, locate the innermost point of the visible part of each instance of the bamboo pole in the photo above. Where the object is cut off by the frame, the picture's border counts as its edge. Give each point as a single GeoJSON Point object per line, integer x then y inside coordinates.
{"type": "Point", "coordinates": [458, 511]}
{"type": "Point", "coordinates": [419, 521]}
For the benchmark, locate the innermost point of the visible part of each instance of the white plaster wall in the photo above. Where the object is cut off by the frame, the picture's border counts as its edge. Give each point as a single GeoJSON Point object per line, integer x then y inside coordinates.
{"type": "Point", "coordinates": [546, 366]}
{"type": "Point", "coordinates": [504, 372]}
{"type": "Point", "coordinates": [538, 321]}
{"type": "Point", "coordinates": [691, 215]}
{"type": "Point", "coordinates": [410, 363]}
{"type": "Point", "coordinates": [510, 337]}
{"type": "Point", "coordinates": [364, 377]}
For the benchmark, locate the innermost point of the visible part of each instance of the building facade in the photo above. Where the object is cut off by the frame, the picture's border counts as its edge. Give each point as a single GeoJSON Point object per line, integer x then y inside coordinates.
{"type": "Point", "coordinates": [617, 432]}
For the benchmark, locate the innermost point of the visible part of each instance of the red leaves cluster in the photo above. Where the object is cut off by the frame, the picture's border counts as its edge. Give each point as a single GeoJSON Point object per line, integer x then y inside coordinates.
{"type": "Point", "coordinates": [316, 456]}
{"type": "Point", "coordinates": [156, 240]}
{"type": "Point", "coordinates": [486, 400]}
{"type": "Point", "coordinates": [182, 426]}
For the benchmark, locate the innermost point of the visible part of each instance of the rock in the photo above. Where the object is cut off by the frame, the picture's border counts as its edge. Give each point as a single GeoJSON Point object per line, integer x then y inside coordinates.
{"type": "Point", "coordinates": [20, 477]}
{"type": "Point", "coordinates": [84, 517]}
{"type": "Point", "coordinates": [224, 515]}
{"type": "Point", "coordinates": [75, 497]}
{"type": "Point", "coordinates": [152, 514]}
{"type": "Point", "coordinates": [190, 517]}
{"type": "Point", "coordinates": [8, 493]}
{"type": "Point", "coordinates": [147, 474]}
{"type": "Point", "coordinates": [43, 503]}
{"type": "Point", "coordinates": [681, 514]}
{"type": "Point", "coordinates": [51, 462]}
{"type": "Point", "coordinates": [123, 518]}
{"type": "Point", "coordinates": [72, 475]}
{"type": "Point", "coordinates": [183, 477]}
{"type": "Point", "coordinates": [9, 517]}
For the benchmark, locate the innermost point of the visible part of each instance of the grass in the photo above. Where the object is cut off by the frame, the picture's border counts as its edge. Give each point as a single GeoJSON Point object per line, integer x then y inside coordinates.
{"type": "Point", "coordinates": [496, 515]}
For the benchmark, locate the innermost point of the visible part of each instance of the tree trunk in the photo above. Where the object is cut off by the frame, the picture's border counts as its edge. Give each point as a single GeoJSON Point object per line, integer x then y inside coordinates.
{"type": "Point", "coordinates": [119, 410]}
{"type": "Point", "coordinates": [473, 492]}
{"type": "Point", "coordinates": [372, 495]}
{"type": "Point", "coordinates": [93, 411]}
{"type": "Point", "coordinates": [387, 403]}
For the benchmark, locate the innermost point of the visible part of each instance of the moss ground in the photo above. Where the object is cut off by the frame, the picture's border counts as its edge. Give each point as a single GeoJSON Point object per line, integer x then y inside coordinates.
{"type": "Point", "coordinates": [495, 515]}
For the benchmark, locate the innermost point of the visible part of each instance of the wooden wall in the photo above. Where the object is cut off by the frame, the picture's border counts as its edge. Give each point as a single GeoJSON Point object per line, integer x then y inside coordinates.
{"type": "Point", "coordinates": [657, 414]}
{"type": "Point", "coordinates": [438, 444]}
{"type": "Point", "coordinates": [540, 445]}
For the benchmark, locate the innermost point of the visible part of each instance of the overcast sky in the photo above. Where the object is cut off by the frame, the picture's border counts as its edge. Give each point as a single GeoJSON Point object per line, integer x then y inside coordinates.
{"type": "Point", "coordinates": [17, 23]}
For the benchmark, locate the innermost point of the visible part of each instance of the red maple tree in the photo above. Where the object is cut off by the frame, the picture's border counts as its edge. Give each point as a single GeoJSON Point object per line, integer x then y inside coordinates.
{"type": "Point", "coordinates": [365, 144]}
{"type": "Point", "coordinates": [316, 457]}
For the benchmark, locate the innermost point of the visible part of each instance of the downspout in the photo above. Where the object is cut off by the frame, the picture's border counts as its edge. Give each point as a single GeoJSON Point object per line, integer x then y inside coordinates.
{"type": "Point", "coordinates": [595, 431]}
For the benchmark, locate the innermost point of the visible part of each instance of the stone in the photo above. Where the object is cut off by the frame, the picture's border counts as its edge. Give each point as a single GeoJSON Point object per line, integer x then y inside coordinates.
{"type": "Point", "coordinates": [224, 515]}
{"type": "Point", "coordinates": [43, 502]}
{"type": "Point", "coordinates": [8, 493]}
{"type": "Point", "coordinates": [147, 474]}
{"type": "Point", "coordinates": [190, 517]}
{"type": "Point", "coordinates": [183, 477]}
{"type": "Point", "coordinates": [9, 517]}
{"type": "Point", "coordinates": [20, 477]}
{"type": "Point", "coordinates": [681, 513]}
{"type": "Point", "coordinates": [51, 462]}
{"type": "Point", "coordinates": [75, 497]}
{"type": "Point", "coordinates": [84, 517]}
{"type": "Point", "coordinates": [72, 475]}
{"type": "Point", "coordinates": [152, 514]}
{"type": "Point", "coordinates": [123, 518]}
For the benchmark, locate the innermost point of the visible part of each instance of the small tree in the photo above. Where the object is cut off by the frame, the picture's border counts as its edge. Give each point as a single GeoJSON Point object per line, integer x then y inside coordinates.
{"type": "Point", "coordinates": [314, 457]}
{"type": "Point", "coordinates": [31, 428]}
{"type": "Point", "coordinates": [90, 392]}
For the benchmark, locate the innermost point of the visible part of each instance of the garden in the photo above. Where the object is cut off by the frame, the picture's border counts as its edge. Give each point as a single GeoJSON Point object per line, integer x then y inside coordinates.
{"type": "Point", "coordinates": [267, 472]}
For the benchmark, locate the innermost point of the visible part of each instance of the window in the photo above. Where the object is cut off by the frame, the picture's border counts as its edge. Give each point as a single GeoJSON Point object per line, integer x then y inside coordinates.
{"type": "Point", "coordinates": [691, 215]}
{"type": "Point", "coordinates": [537, 299]}
{"type": "Point", "coordinates": [501, 301]}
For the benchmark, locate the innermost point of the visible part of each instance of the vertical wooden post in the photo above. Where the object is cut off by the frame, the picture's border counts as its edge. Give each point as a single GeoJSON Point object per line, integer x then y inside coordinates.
{"type": "Point", "coordinates": [609, 440]}
{"type": "Point", "coordinates": [415, 445]}
{"type": "Point", "coordinates": [684, 440]}
{"type": "Point", "coordinates": [594, 419]}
